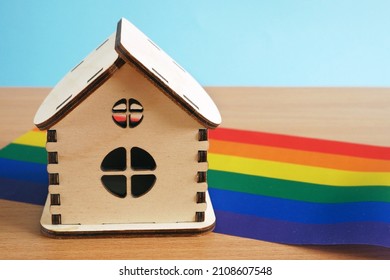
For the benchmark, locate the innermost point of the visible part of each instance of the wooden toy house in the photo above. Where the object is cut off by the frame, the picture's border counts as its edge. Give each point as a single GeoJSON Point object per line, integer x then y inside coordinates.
{"type": "Point", "coordinates": [127, 143]}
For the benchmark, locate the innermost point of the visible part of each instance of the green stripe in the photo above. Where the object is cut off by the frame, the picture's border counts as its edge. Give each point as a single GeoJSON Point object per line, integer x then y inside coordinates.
{"type": "Point", "coordinates": [295, 190]}
{"type": "Point", "coordinates": [24, 153]}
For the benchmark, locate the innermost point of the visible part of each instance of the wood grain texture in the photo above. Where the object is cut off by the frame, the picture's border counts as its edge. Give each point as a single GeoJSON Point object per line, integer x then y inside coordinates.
{"type": "Point", "coordinates": [358, 115]}
{"type": "Point", "coordinates": [20, 238]}
{"type": "Point", "coordinates": [259, 109]}
{"type": "Point", "coordinates": [87, 134]}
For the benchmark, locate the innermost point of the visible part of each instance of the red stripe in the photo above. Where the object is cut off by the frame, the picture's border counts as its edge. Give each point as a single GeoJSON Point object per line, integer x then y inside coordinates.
{"type": "Point", "coordinates": [300, 143]}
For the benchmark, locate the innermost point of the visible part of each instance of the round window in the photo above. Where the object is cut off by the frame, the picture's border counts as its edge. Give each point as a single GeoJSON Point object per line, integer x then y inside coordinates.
{"type": "Point", "coordinates": [127, 113]}
{"type": "Point", "coordinates": [116, 180]}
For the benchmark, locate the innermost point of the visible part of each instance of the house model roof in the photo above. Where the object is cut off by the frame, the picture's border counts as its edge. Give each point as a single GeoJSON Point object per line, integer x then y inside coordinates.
{"type": "Point", "coordinates": [127, 45]}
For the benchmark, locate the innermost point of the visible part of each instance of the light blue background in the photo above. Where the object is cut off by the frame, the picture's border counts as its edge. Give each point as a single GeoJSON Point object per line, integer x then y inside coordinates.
{"type": "Point", "coordinates": [222, 43]}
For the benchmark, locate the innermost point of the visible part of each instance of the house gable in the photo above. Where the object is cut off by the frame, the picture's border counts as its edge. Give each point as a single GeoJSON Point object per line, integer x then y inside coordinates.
{"type": "Point", "coordinates": [127, 45]}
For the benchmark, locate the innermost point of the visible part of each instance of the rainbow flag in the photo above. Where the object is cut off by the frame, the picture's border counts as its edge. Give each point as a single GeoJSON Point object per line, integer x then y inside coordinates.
{"type": "Point", "coordinates": [265, 186]}
{"type": "Point", "coordinates": [23, 174]}
{"type": "Point", "coordinates": [299, 190]}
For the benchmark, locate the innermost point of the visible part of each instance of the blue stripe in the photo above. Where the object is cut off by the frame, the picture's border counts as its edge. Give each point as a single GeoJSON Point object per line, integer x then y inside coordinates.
{"type": "Point", "coordinates": [25, 171]}
{"type": "Point", "coordinates": [298, 211]}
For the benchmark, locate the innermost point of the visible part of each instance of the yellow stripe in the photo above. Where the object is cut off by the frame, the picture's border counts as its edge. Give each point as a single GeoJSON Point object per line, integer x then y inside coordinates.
{"type": "Point", "coordinates": [295, 172]}
{"type": "Point", "coordinates": [32, 138]}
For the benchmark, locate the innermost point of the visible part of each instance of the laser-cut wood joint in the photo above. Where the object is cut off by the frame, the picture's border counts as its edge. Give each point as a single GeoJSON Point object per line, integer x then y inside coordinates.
{"type": "Point", "coordinates": [127, 140]}
{"type": "Point", "coordinates": [201, 177]}
{"type": "Point", "coordinates": [54, 179]}
{"type": "Point", "coordinates": [52, 157]}
{"type": "Point", "coordinates": [51, 135]}
{"type": "Point", "coordinates": [200, 197]}
{"type": "Point", "coordinates": [202, 156]}
{"type": "Point", "coordinates": [56, 219]}
{"type": "Point", "coordinates": [203, 134]}
{"type": "Point", "coordinates": [199, 216]}
{"type": "Point", "coordinates": [55, 199]}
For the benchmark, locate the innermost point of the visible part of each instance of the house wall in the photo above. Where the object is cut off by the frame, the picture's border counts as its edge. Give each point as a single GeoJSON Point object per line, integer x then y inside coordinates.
{"type": "Point", "coordinates": [88, 133]}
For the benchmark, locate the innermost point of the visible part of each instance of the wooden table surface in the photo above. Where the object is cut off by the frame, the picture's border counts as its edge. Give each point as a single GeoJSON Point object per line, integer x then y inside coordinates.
{"type": "Point", "coordinates": [354, 115]}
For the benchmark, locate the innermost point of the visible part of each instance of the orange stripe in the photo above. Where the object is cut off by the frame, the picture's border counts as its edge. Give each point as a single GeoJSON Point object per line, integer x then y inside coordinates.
{"type": "Point", "coordinates": [38, 130]}
{"type": "Point", "coordinates": [299, 157]}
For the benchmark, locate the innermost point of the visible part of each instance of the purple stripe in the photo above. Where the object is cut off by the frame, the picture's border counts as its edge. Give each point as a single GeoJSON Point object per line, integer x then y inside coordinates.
{"type": "Point", "coordinates": [23, 191]}
{"type": "Point", "coordinates": [372, 233]}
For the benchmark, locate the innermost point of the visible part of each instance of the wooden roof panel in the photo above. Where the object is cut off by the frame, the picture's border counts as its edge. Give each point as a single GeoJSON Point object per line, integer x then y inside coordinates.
{"type": "Point", "coordinates": [127, 44]}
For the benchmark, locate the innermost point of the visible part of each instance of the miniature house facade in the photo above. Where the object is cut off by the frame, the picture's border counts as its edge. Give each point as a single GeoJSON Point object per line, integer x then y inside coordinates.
{"type": "Point", "coordinates": [127, 143]}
